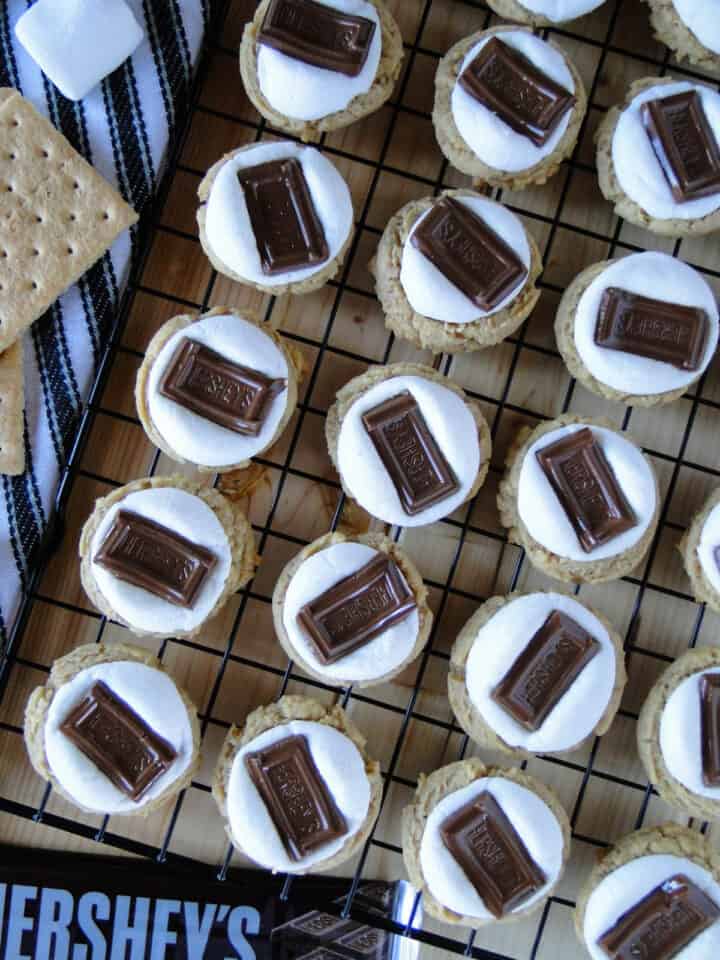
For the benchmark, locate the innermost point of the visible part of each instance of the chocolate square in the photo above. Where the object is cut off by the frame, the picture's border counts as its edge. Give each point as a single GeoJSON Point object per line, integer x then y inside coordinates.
{"type": "Point", "coordinates": [710, 728]}
{"type": "Point", "coordinates": [366, 941]}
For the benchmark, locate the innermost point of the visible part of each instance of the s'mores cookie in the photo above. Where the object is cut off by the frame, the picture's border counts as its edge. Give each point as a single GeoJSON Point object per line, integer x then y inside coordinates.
{"type": "Point", "coordinates": [543, 13]}
{"type": "Point", "coordinates": [691, 28]}
{"type": "Point", "coordinates": [310, 67]}
{"type": "Point", "coordinates": [700, 548]}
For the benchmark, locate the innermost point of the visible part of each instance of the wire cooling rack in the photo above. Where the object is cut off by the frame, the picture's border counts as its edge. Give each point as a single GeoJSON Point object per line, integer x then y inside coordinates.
{"type": "Point", "coordinates": [293, 496]}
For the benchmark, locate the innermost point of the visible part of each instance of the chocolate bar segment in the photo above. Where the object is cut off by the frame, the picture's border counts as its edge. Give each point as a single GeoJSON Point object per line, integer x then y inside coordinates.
{"type": "Point", "coordinates": [353, 611]}
{"type": "Point", "coordinates": [154, 558]}
{"type": "Point", "coordinates": [492, 855]}
{"type": "Point", "coordinates": [710, 728]}
{"type": "Point", "coordinates": [545, 670]}
{"type": "Point", "coordinates": [472, 256]}
{"type": "Point", "coordinates": [297, 800]}
{"type": "Point", "coordinates": [664, 922]}
{"type": "Point", "coordinates": [585, 485]}
{"type": "Point", "coordinates": [287, 229]}
{"type": "Point", "coordinates": [318, 35]}
{"type": "Point", "coordinates": [684, 145]}
{"type": "Point", "coordinates": [409, 452]}
{"type": "Point", "coordinates": [118, 741]}
{"type": "Point", "coordinates": [505, 81]}
{"type": "Point", "coordinates": [219, 390]}
{"type": "Point", "coordinates": [651, 328]}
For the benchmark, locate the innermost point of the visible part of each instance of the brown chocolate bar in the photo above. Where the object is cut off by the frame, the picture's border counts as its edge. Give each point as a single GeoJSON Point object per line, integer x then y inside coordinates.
{"type": "Point", "coordinates": [472, 256]}
{"type": "Point", "coordinates": [119, 742]}
{"type": "Point", "coordinates": [664, 922]}
{"type": "Point", "coordinates": [545, 670]}
{"type": "Point", "coordinates": [154, 558]}
{"type": "Point", "coordinates": [287, 229]}
{"type": "Point", "coordinates": [213, 387]}
{"type": "Point", "coordinates": [416, 465]}
{"type": "Point", "coordinates": [356, 609]}
{"type": "Point", "coordinates": [710, 728]}
{"type": "Point", "coordinates": [684, 145]}
{"type": "Point", "coordinates": [508, 83]}
{"type": "Point", "coordinates": [318, 35]}
{"type": "Point", "coordinates": [585, 485]}
{"type": "Point", "coordinates": [492, 855]}
{"type": "Point", "coordinates": [297, 800]}
{"type": "Point", "coordinates": [651, 328]}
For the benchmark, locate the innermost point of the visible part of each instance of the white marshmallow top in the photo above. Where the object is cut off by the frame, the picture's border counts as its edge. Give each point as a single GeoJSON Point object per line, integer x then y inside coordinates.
{"type": "Point", "coordinates": [192, 518]}
{"type": "Point", "coordinates": [429, 291]}
{"type": "Point", "coordinates": [560, 10]}
{"type": "Point", "coordinates": [317, 574]}
{"type": "Point", "coordinates": [153, 696]}
{"type": "Point", "coordinates": [534, 821]}
{"type": "Point", "coordinates": [227, 222]}
{"type": "Point", "coordinates": [194, 437]}
{"type": "Point", "coordinates": [636, 166]}
{"type": "Point", "coordinates": [625, 887]}
{"type": "Point", "coordinates": [546, 521]}
{"type": "Point", "coordinates": [501, 641]}
{"type": "Point", "coordinates": [449, 421]}
{"type": "Point", "coordinates": [680, 735]}
{"type": "Point", "coordinates": [77, 43]}
{"type": "Point", "coordinates": [340, 766]}
{"type": "Point", "coordinates": [703, 18]}
{"type": "Point", "coordinates": [661, 277]}
{"type": "Point", "coordinates": [302, 91]}
{"type": "Point", "coordinates": [709, 540]}
{"type": "Point", "coordinates": [489, 137]}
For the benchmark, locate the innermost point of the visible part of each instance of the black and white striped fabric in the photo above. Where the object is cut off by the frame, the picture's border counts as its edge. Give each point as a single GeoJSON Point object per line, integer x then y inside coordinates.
{"type": "Point", "coordinates": [123, 128]}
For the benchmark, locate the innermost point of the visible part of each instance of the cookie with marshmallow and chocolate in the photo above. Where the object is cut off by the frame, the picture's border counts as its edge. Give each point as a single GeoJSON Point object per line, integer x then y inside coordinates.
{"type": "Point", "coordinates": [408, 444]}
{"type": "Point", "coordinates": [658, 157]}
{"type": "Point", "coordinates": [543, 13]}
{"type": "Point", "coordinates": [581, 498]}
{"type": "Point", "coordinates": [310, 67]}
{"type": "Point", "coordinates": [162, 555]}
{"type": "Point", "coordinates": [277, 216]}
{"type": "Point", "coordinates": [700, 548]}
{"type": "Point", "coordinates": [508, 106]}
{"type": "Point", "coordinates": [691, 28]}
{"type": "Point", "coordinates": [456, 272]}
{"type": "Point", "coordinates": [641, 329]}
{"type": "Point", "coordinates": [464, 819]}
{"type": "Point", "coordinates": [336, 788]}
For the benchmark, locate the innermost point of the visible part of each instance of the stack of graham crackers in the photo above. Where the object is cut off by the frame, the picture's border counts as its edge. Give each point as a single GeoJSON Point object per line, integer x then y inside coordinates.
{"type": "Point", "coordinates": [57, 217]}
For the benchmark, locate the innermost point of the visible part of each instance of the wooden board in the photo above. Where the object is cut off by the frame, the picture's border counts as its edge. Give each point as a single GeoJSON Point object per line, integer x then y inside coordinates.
{"type": "Point", "coordinates": [292, 493]}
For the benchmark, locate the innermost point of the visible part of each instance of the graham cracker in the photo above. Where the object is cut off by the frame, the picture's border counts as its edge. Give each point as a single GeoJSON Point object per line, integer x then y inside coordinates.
{"type": "Point", "coordinates": [12, 404]}
{"type": "Point", "coordinates": [57, 215]}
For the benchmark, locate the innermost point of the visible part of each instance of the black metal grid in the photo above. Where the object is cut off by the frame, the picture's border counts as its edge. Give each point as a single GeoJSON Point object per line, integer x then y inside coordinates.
{"type": "Point", "coordinates": [453, 940]}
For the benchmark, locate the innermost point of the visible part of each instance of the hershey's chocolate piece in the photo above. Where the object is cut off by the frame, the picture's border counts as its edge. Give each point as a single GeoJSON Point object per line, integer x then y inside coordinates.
{"type": "Point", "coordinates": [409, 452]}
{"type": "Point", "coordinates": [472, 256]}
{"type": "Point", "coordinates": [710, 728]}
{"type": "Point", "coordinates": [287, 229]}
{"type": "Point", "coordinates": [662, 923]}
{"type": "Point", "coordinates": [154, 558]}
{"type": "Point", "coordinates": [651, 328]}
{"type": "Point", "coordinates": [587, 489]}
{"type": "Point", "coordinates": [508, 83]}
{"type": "Point", "coordinates": [349, 614]}
{"type": "Point", "coordinates": [300, 805]}
{"type": "Point", "coordinates": [684, 144]}
{"type": "Point", "coordinates": [213, 387]}
{"type": "Point", "coordinates": [318, 35]}
{"type": "Point", "coordinates": [367, 941]}
{"type": "Point", "coordinates": [118, 741]}
{"type": "Point", "coordinates": [491, 853]}
{"type": "Point", "coordinates": [545, 670]}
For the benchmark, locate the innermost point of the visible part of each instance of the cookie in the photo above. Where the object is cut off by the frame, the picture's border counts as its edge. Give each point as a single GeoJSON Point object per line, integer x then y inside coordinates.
{"type": "Point", "coordinates": [300, 84]}
{"type": "Point", "coordinates": [536, 673]}
{"type": "Point", "coordinates": [492, 116]}
{"type": "Point", "coordinates": [162, 555]}
{"type": "Point", "coordinates": [581, 498]}
{"type": "Point", "coordinates": [112, 731]}
{"type": "Point", "coordinates": [216, 389]}
{"type": "Point", "coordinates": [351, 609]}
{"type": "Point", "coordinates": [691, 28]}
{"type": "Point", "coordinates": [424, 303]}
{"type": "Point", "coordinates": [442, 831]}
{"type": "Point", "coordinates": [698, 547]}
{"type": "Point", "coordinates": [543, 13]}
{"type": "Point", "coordinates": [408, 444]}
{"type": "Point", "coordinates": [339, 784]}
{"type": "Point", "coordinates": [640, 330]}
{"type": "Point", "coordinates": [12, 407]}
